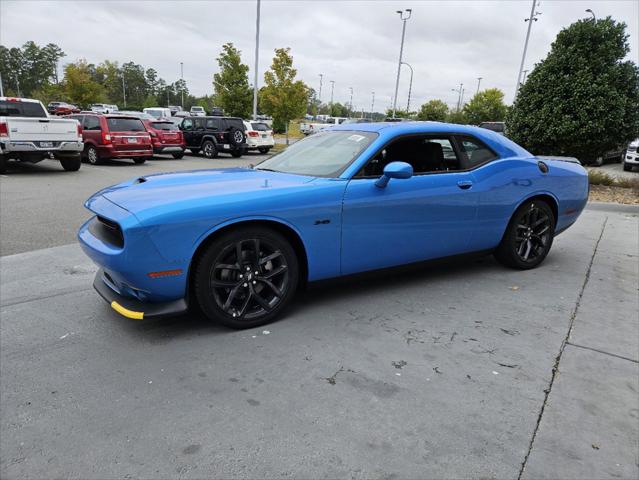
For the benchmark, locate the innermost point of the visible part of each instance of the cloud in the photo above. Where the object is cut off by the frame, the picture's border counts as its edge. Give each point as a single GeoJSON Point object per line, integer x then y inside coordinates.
{"type": "Point", "coordinates": [355, 43]}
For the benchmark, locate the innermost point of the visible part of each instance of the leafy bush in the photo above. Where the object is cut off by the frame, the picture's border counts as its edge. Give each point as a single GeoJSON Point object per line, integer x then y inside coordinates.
{"type": "Point", "coordinates": [583, 98]}
{"type": "Point", "coordinates": [487, 106]}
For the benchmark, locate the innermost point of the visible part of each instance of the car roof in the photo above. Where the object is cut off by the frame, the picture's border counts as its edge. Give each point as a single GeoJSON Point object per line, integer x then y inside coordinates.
{"type": "Point", "coordinates": [387, 130]}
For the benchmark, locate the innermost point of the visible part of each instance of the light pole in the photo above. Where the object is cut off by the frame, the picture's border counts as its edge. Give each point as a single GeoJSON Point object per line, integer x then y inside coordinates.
{"type": "Point", "coordinates": [408, 12]}
{"type": "Point", "coordinates": [351, 102]}
{"type": "Point", "coordinates": [123, 90]}
{"type": "Point", "coordinates": [257, 57]}
{"type": "Point", "coordinates": [182, 78]}
{"type": "Point", "coordinates": [168, 99]}
{"type": "Point", "coordinates": [459, 94]}
{"type": "Point", "coordinates": [594, 18]}
{"type": "Point", "coordinates": [332, 89]}
{"type": "Point", "coordinates": [410, 86]}
{"type": "Point", "coordinates": [461, 100]}
{"type": "Point", "coordinates": [1, 89]}
{"type": "Point", "coordinates": [478, 84]}
{"type": "Point", "coordinates": [321, 75]}
{"type": "Point", "coordinates": [372, 104]}
{"type": "Point", "coordinates": [524, 79]}
{"type": "Point", "coordinates": [533, 17]}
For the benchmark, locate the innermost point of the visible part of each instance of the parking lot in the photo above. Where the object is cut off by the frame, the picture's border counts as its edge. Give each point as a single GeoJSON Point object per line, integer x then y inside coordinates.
{"type": "Point", "coordinates": [457, 370]}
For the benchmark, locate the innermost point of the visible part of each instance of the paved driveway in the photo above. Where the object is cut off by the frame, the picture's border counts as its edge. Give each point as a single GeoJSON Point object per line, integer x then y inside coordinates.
{"type": "Point", "coordinates": [463, 370]}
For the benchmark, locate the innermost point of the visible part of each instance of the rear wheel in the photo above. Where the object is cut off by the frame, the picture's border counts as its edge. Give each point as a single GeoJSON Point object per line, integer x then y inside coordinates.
{"type": "Point", "coordinates": [92, 155]}
{"type": "Point", "coordinates": [627, 167]}
{"type": "Point", "coordinates": [71, 164]}
{"type": "Point", "coordinates": [3, 164]}
{"type": "Point", "coordinates": [237, 153]}
{"type": "Point", "coordinates": [208, 149]}
{"type": "Point", "coordinates": [528, 237]}
{"type": "Point", "coordinates": [177, 155]}
{"type": "Point", "coordinates": [263, 149]}
{"type": "Point", "coordinates": [246, 277]}
{"type": "Point", "coordinates": [195, 151]}
{"type": "Point", "coordinates": [139, 161]}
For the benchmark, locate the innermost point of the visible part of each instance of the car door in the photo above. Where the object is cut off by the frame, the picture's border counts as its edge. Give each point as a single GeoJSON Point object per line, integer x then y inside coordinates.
{"type": "Point", "coordinates": [187, 130]}
{"type": "Point", "coordinates": [92, 132]}
{"type": "Point", "coordinates": [433, 214]}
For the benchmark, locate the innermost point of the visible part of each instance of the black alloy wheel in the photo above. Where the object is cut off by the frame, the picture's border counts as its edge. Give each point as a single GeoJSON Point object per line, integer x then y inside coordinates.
{"type": "Point", "coordinates": [246, 277]}
{"type": "Point", "coordinates": [529, 236]}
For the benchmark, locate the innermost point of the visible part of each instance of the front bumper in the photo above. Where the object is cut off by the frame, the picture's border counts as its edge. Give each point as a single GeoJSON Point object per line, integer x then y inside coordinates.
{"type": "Point", "coordinates": [631, 158]}
{"type": "Point", "coordinates": [135, 309]}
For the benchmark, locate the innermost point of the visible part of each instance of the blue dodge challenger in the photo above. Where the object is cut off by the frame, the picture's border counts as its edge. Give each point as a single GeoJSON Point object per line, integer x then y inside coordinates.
{"type": "Point", "coordinates": [358, 197]}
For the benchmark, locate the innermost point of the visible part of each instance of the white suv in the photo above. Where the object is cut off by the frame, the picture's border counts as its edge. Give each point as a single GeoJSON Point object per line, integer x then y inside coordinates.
{"type": "Point", "coordinates": [198, 111]}
{"type": "Point", "coordinates": [631, 158]}
{"type": "Point", "coordinates": [259, 136]}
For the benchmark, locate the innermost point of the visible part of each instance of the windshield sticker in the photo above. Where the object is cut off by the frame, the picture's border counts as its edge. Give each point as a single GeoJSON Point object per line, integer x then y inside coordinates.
{"type": "Point", "coordinates": [356, 138]}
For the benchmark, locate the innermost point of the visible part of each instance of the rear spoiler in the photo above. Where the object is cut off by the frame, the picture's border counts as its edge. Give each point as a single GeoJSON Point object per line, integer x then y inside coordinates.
{"type": "Point", "coordinates": [559, 159]}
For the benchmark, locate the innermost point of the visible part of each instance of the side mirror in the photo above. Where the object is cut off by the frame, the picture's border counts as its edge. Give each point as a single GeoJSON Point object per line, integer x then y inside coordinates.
{"type": "Point", "coordinates": [394, 170]}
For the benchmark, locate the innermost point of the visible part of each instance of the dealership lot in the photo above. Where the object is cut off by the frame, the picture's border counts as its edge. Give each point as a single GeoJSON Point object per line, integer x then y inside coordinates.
{"type": "Point", "coordinates": [437, 371]}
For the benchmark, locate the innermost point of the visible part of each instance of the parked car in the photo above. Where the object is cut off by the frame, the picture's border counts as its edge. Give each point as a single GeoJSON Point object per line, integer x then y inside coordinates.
{"type": "Point", "coordinates": [259, 136]}
{"type": "Point", "coordinates": [166, 137]}
{"type": "Point", "coordinates": [104, 108]}
{"type": "Point", "coordinates": [632, 156]}
{"type": "Point", "coordinates": [114, 136]}
{"type": "Point", "coordinates": [615, 155]}
{"type": "Point", "coordinates": [158, 112]}
{"type": "Point", "coordinates": [140, 115]}
{"type": "Point", "coordinates": [182, 114]}
{"type": "Point", "coordinates": [217, 112]}
{"type": "Point", "coordinates": [308, 128]}
{"type": "Point", "coordinates": [499, 127]}
{"type": "Point", "coordinates": [52, 106]}
{"type": "Point", "coordinates": [174, 109]}
{"type": "Point", "coordinates": [198, 111]}
{"type": "Point", "coordinates": [28, 134]}
{"type": "Point", "coordinates": [357, 120]}
{"type": "Point", "coordinates": [65, 109]}
{"type": "Point", "coordinates": [238, 242]}
{"type": "Point", "coordinates": [213, 135]}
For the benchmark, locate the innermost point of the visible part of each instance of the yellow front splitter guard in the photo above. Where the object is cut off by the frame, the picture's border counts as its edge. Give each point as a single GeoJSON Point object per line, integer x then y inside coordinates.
{"type": "Point", "coordinates": [126, 312]}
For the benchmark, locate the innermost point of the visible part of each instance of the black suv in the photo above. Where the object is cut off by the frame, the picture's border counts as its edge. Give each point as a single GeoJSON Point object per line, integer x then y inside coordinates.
{"type": "Point", "coordinates": [212, 135]}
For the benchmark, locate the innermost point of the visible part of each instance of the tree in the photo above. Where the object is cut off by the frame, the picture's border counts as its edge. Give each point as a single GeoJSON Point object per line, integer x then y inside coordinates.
{"type": "Point", "coordinates": [231, 86]}
{"type": "Point", "coordinates": [283, 97]}
{"type": "Point", "coordinates": [79, 87]}
{"type": "Point", "coordinates": [583, 98]}
{"type": "Point", "coordinates": [29, 68]}
{"type": "Point", "coordinates": [434, 110]}
{"type": "Point", "coordinates": [457, 116]}
{"type": "Point", "coordinates": [486, 106]}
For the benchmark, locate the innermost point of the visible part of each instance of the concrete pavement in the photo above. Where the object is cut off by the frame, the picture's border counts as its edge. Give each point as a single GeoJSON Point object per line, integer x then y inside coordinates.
{"type": "Point", "coordinates": [462, 370]}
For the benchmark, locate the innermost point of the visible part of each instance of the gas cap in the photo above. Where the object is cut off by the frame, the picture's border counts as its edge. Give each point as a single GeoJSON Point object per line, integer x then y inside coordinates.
{"type": "Point", "coordinates": [542, 166]}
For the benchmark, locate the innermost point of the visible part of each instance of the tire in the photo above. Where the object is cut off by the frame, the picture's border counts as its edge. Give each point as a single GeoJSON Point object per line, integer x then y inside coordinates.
{"type": "Point", "coordinates": [71, 164]}
{"type": "Point", "coordinates": [255, 299]}
{"type": "Point", "coordinates": [195, 151]}
{"type": "Point", "coordinates": [178, 156]}
{"type": "Point", "coordinates": [528, 237]}
{"type": "Point", "coordinates": [237, 153]}
{"type": "Point", "coordinates": [263, 150]}
{"type": "Point", "coordinates": [208, 149]}
{"type": "Point", "coordinates": [3, 164]}
{"type": "Point", "coordinates": [236, 136]}
{"type": "Point", "coordinates": [139, 161]}
{"type": "Point", "coordinates": [92, 155]}
{"type": "Point", "coordinates": [627, 167]}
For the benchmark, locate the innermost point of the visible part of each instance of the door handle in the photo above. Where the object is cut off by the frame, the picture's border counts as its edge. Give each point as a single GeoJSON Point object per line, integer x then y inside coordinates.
{"type": "Point", "coordinates": [464, 184]}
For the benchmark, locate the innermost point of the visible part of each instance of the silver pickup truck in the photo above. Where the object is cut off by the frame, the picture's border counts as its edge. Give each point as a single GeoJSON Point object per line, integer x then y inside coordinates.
{"type": "Point", "coordinates": [28, 134]}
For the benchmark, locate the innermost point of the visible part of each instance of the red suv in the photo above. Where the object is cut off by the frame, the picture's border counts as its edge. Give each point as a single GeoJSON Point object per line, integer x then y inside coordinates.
{"type": "Point", "coordinates": [166, 137]}
{"type": "Point", "coordinates": [114, 136]}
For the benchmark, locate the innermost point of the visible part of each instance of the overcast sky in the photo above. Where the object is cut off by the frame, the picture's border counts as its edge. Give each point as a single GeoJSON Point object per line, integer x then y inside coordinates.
{"type": "Point", "coordinates": [356, 43]}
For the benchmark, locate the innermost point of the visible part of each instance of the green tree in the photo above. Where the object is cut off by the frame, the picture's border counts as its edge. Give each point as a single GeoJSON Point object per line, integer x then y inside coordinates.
{"type": "Point", "coordinates": [79, 87]}
{"type": "Point", "coordinates": [231, 86]}
{"type": "Point", "coordinates": [583, 98]}
{"type": "Point", "coordinates": [434, 110]}
{"type": "Point", "coordinates": [457, 116]}
{"type": "Point", "coordinates": [486, 106]}
{"type": "Point", "coordinates": [29, 68]}
{"type": "Point", "coordinates": [283, 97]}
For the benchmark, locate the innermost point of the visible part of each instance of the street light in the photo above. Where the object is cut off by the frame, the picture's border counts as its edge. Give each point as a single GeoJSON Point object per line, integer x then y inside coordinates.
{"type": "Point", "coordinates": [123, 90]}
{"type": "Point", "coordinates": [410, 86]}
{"type": "Point", "coordinates": [478, 83]}
{"type": "Point", "coordinates": [182, 78]}
{"type": "Point", "coordinates": [533, 17]}
{"type": "Point", "coordinates": [372, 104]}
{"type": "Point", "coordinates": [351, 102]}
{"type": "Point", "coordinates": [332, 89]}
{"type": "Point", "coordinates": [459, 93]}
{"type": "Point", "coordinates": [408, 13]}
{"type": "Point", "coordinates": [257, 57]}
{"type": "Point", "coordinates": [591, 13]}
{"type": "Point", "coordinates": [1, 88]}
{"type": "Point", "coordinates": [321, 75]}
{"type": "Point", "coordinates": [524, 79]}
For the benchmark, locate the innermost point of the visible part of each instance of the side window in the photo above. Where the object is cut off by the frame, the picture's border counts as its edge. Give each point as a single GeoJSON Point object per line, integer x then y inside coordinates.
{"type": "Point", "coordinates": [91, 123]}
{"type": "Point", "coordinates": [212, 124]}
{"type": "Point", "coordinates": [187, 124]}
{"type": "Point", "coordinates": [426, 154]}
{"type": "Point", "coordinates": [475, 153]}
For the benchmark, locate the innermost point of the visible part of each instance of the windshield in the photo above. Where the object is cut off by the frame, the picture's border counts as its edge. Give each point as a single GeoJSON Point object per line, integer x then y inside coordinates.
{"type": "Point", "coordinates": [324, 154]}
{"type": "Point", "coordinates": [164, 126]}
{"type": "Point", "coordinates": [117, 124]}
{"type": "Point", "coordinates": [197, 109]}
{"type": "Point", "coordinates": [260, 127]}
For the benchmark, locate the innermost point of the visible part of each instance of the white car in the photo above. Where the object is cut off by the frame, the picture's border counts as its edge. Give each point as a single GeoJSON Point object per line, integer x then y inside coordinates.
{"type": "Point", "coordinates": [104, 108]}
{"type": "Point", "coordinates": [158, 112]}
{"type": "Point", "coordinates": [631, 158]}
{"type": "Point", "coordinates": [198, 111]}
{"type": "Point", "coordinates": [259, 136]}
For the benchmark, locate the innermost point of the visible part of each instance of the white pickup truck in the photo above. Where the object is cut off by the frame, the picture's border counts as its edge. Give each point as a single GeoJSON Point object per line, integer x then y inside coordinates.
{"type": "Point", "coordinates": [309, 128]}
{"type": "Point", "coordinates": [29, 134]}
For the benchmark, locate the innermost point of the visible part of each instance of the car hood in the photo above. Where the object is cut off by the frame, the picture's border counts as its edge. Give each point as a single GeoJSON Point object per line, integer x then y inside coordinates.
{"type": "Point", "coordinates": [162, 193]}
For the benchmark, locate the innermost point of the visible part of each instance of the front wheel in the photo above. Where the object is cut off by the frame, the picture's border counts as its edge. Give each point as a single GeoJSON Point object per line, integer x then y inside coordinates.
{"type": "Point", "coordinates": [71, 164]}
{"type": "Point", "coordinates": [246, 277]}
{"type": "Point", "coordinates": [528, 237]}
{"type": "Point", "coordinates": [627, 167]}
{"type": "Point", "coordinates": [139, 161]}
{"type": "Point", "coordinates": [178, 155]}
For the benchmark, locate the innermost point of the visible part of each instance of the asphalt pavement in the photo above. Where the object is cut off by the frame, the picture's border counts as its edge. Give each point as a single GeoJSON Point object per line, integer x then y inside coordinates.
{"type": "Point", "coordinates": [465, 370]}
